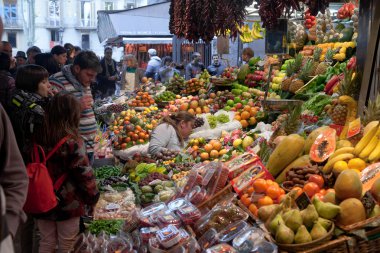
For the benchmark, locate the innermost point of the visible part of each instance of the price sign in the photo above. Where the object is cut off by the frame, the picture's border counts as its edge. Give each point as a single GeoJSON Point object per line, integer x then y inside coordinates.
{"type": "Point", "coordinates": [303, 201]}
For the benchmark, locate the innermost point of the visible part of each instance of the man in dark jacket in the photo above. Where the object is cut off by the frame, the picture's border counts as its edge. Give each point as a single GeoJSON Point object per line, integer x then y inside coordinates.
{"type": "Point", "coordinates": [7, 83]}
{"type": "Point", "coordinates": [109, 75]}
{"type": "Point", "coordinates": [195, 67]}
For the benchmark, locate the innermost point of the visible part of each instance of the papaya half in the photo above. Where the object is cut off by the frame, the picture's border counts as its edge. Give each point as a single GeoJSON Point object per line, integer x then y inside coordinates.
{"type": "Point", "coordinates": [311, 138]}
{"type": "Point", "coordinates": [323, 146]}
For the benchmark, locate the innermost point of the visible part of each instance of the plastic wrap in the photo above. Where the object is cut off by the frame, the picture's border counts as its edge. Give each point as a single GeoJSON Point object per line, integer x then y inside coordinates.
{"type": "Point", "coordinates": [208, 239]}
{"type": "Point", "coordinates": [189, 214]}
{"type": "Point", "coordinates": [168, 236]}
{"type": "Point", "coordinates": [177, 204]}
{"type": "Point", "coordinates": [216, 132]}
{"type": "Point", "coordinates": [221, 248]}
{"type": "Point", "coordinates": [148, 232]}
{"type": "Point", "coordinates": [232, 230]}
{"type": "Point", "coordinates": [248, 239]}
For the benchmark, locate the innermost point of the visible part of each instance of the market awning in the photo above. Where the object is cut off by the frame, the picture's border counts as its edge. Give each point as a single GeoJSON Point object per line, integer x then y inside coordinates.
{"type": "Point", "coordinates": [145, 22]}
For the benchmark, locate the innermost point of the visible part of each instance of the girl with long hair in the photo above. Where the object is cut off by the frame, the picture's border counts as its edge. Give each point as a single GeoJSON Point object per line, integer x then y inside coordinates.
{"type": "Point", "coordinates": [171, 133]}
{"type": "Point", "coordinates": [61, 225]}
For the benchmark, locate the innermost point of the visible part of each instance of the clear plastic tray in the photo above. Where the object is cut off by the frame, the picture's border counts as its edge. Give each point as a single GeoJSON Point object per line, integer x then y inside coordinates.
{"type": "Point", "coordinates": [221, 248]}
{"type": "Point", "coordinates": [208, 239]}
{"type": "Point", "coordinates": [148, 232]}
{"type": "Point", "coordinates": [177, 204]}
{"type": "Point", "coordinates": [248, 239]}
{"type": "Point", "coordinates": [231, 231]}
{"type": "Point", "coordinates": [189, 214]}
{"type": "Point", "coordinates": [168, 236]}
{"type": "Point", "coordinates": [197, 195]}
{"type": "Point", "coordinates": [168, 218]}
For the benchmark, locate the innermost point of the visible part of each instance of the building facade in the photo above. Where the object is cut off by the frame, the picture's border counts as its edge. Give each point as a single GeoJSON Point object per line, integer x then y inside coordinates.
{"type": "Point", "coordinates": [46, 23]}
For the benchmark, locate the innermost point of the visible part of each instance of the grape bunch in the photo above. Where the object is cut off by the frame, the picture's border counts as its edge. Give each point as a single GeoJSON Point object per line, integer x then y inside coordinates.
{"type": "Point", "coordinates": [153, 176]}
{"type": "Point", "coordinates": [199, 122]}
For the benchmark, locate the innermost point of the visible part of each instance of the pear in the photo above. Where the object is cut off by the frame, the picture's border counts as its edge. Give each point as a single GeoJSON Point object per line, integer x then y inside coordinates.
{"type": "Point", "coordinates": [309, 216]}
{"type": "Point", "coordinates": [275, 223]}
{"type": "Point", "coordinates": [326, 210]}
{"type": "Point", "coordinates": [329, 198]}
{"type": "Point", "coordinates": [286, 215]}
{"type": "Point", "coordinates": [294, 220]}
{"type": "Point", "coordinates": [302, 235]}
{"type": "Point", "coordinates": [284, 235]}
{"type": "Point", "coordinates": [325, 223]}
{"type": "Point", "coordinates": [318, 231]}
{"type": "Point", "coordinates": [265, 211]}
{"type": "Point", "coordinates": [375, 211]}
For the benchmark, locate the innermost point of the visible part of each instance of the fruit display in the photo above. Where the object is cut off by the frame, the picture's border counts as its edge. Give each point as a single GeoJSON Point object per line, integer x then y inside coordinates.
{"type": "Point", "coordinates": [165, 96]}
{"type": "Point", "coordinates": [230, 73]}
{"type": "Point", "coordinates": [165, 155]}
{"type": "Point", "coordinates": [143, 99]}
{"type": "Point", "coordinates": [193, 85]}
{"type": "Point", "coordinates": [309, 19]}
{"type": "Point", "coordinates": [176, 84]}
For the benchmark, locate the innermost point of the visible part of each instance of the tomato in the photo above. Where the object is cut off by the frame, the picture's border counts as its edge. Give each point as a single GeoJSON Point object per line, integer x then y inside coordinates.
{"type": "Point", "coordinates": [253, 209]}
{"type": "Point", "coordinates": [265, 201]}
{"type": "Point", "coordinates": [250, 190]}
{"type": "Point", "coordinates": [245, 199]}
{"type": "Point", "coordinates": [319, 196]}
{"type": "Point", "coordinates": [311, 189]}
{"type": "Point", "coordinates": [330, 190]}
{"type": "Point", "coordinates": [299, 190]}
{"type": "Point", "coordinates": [123, 146]}
{"type": "Point", "coordinates": [317, 179]}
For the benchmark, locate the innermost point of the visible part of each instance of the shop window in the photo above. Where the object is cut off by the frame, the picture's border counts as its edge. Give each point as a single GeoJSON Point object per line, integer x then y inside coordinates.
{"type": "Point", "coordinates": [54, 13]}
{"type": "Point", "coordinates": [108, 6]}
{"type": "Point", "coordinates": [85, 41]}
{"type": "Point", "coordinates": [54, 35]}
{"type": "Point", "coordinates": [130, 6]}
{"type": "Point", "coordinates": [87, 14]}
{"type": "Point", "coordinates": [12, 38]}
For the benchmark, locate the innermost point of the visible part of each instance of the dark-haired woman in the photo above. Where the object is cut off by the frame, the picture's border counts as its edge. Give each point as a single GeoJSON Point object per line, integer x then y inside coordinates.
{"type": "Point", "coordinates": [47, 61]}
{"type": "Point", "coordinates": [61, 225]}
{"type": "Point", "coordinates": [171, 133]}
{"type": "Point", "coordinates": [26, 112]}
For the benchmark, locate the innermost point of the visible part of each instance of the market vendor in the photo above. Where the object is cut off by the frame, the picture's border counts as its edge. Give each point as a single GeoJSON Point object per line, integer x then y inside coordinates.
{"type": "Point", "coordinates": [171, 133]}
{"type": "Point", "coordinates": [246, 55]}
{"type": "Point", "coordinates": [195, 67]}
{"type": "Point", "coordinates": [131, 75]}
{"type": "Point", "coordinates": [216, 68]}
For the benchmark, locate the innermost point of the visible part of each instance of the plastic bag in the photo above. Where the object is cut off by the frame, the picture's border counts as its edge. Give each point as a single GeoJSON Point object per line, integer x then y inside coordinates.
{"type": "Point", "coordinates": [217, 132]}
{"type": "Point", "coordinates": [130, 152]}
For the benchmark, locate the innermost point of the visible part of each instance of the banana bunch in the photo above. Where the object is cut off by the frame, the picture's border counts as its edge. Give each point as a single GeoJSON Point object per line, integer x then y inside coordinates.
{"type": "Point", "coordinates": [248, 35]}
{"type": "Point", "coordinates": [368, 148]}
{"type": "Point", "coordinates": [342, 154]}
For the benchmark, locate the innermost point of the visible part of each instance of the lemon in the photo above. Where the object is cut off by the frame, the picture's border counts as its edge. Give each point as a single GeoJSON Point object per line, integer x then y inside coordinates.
{"type": "Point", "coordinates": [357, 163]}
{"type": "Point", "coordinates": [340, 166]}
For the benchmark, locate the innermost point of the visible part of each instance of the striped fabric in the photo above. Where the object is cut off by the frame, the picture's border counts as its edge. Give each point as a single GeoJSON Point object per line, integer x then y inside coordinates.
{"type": "Point", "coordinates": [87, 124]}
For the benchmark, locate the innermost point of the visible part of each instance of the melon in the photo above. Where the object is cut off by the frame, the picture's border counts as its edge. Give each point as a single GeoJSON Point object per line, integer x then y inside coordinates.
{"type": "Point", "coordinates": [348, 185]}
{"type": "Point", "coordinates": [351, 211]}
{"type": "Point", "coordinates": [323, 146]}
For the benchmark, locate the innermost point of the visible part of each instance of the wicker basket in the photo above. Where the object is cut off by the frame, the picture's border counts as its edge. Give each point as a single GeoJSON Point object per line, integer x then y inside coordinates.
{"type": "Point", "coordinates": [371, 245]}
{"type": "Point", "coordinates": [360, 225]}
{"type": "Point", "coordinates": [343, 244]}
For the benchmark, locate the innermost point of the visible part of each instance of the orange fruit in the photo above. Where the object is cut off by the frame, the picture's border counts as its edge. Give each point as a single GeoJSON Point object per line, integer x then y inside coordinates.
{"type": "Point", "coordinates": [212, 142]}
{"type": "Point", "coordinates": [247, 108]}
{"type": "Point", "coordinates": [208, 148]}
{"type": "Point", "coordinates": [217, 145]}
{"type": "Point", "coordinates": [198, 110]}
{"type": "Point", "coordinates": [253, 209]}
{"type": "Point", "coordinates": [273, 191]}
{"type": "Point", "coordinates": [250, 190]}
{"type": "Point", "coordinates": [237, 117]}
{"type": "Point", "coordinates": [245, 115]}
{"type": "Point", "coordinates": [195, 148]}
{"type": "Point", "coordinates": [271, 182]}
{"type": "Point", "coordinates": [244, 123]}
{"type": "Point", "coordinates": [191, 111]}
{"type": "Point", "coordinates": [246, 200]}
{"type": "Point", "coordinates": [298, 189]}
{"type": "Point", "coordinates": [204, 156]}
{"type": "Point", "coordinates": [281, 198]}
{"type": "Point", "coordinates": [323, 192]}
{"type": "Point", "coordinates": [214, 154]}
{"type": "Point", "coordinates": [253, 112]}
{"type": "Point", "coordinates": [260, 185]}
{"type": "Point", "coordinates": [265, 201]}
{"type": "Point", "coordinates": [330, 190]}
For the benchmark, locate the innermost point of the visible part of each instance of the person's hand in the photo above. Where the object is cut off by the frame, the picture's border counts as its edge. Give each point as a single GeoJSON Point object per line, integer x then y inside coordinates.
{"type": "Point", "coordinates": [13, 63]}
{"type": "Point", "coordinates": [86, 102]}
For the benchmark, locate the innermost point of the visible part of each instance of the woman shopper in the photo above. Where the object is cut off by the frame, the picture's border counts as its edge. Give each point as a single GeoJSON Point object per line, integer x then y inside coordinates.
{"type": "Point", "coordinates": [26, 112]}
{"type": "Point", "coordinates": [61, 225]}
{"type": "Point", "coordinates": [131, 75]}
{"type": "Point", "coordinates": [171, 133]}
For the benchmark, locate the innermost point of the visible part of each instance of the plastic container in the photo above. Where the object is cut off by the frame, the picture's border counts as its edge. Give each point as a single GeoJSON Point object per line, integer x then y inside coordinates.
{"type": "Point", "coordinates": [218, 181]}
{"type": "Point", "coordinates": [147, 216]}
{"type": "Point", "coordinates": [208, 239]}
{"type": "Point", "coordinates": [231, 231]}
{"type": "Point", "coordinates": [191, 179]}
{"type": "Point", "coordinates": [154, 246]}
{"type": "Point", "coordinates": [148, 232]}
{"type": "Point", "coordinates": [168, 218]}
{"type": "Point", "coordinates": [221, 248]}
{"type": "Point", "coordinates": [266, 247]}
{"type": "Point", "coordinates": [197, 195]}
{"type": "Point", "coordinates": [248, 239]}
{"type": "Point", "coordinates": [189, 214]}
{"type": "Point", "coordinates": [184, 235]}
{"type": "Point", "coordinates": [177, 204]}
{"type": "Point", "coordinates": [168, 236]}
{"type": "Point", "coordinates": [240, 163]}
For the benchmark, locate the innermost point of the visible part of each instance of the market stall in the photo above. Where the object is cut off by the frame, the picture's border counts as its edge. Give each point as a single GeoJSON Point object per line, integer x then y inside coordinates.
{"type": "Point", "coordinates": [279, 159]}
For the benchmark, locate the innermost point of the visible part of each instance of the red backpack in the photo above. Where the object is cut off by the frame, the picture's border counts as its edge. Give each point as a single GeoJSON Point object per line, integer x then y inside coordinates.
{"type": "Point", "coordinates": [41, 196]}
